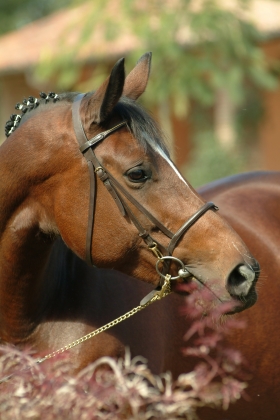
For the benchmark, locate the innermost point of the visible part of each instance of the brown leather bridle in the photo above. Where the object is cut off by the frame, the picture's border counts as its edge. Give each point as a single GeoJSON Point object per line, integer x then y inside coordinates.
{"type": "Point", "coordinates": [117, 190]}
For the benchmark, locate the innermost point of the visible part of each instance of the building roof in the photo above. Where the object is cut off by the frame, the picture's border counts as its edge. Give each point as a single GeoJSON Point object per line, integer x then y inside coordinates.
{"type": "Point", "coordinates": [25, 47]}
{"type": "Point", "coordinates": [265, 15]}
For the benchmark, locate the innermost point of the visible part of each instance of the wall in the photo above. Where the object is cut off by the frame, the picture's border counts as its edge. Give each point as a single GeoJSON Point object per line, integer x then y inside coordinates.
{"type": "Point", "coordinates": [269, 133]}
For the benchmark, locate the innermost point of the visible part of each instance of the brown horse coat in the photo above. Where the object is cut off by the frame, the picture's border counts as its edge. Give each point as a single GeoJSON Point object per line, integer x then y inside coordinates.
{"type": "Point", "coordinates": [251, 204]}
{"type": "Point", "coordinates": [48, 295]}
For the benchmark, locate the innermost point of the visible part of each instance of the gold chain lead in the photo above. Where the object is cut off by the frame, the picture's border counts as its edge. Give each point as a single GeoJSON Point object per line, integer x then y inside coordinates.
{"type": "Point", "coordinates": [165, 291]}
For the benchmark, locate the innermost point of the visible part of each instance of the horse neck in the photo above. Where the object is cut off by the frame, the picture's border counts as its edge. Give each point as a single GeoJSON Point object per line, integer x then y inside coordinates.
{"type": "Point", "coordinates": [24, 249]}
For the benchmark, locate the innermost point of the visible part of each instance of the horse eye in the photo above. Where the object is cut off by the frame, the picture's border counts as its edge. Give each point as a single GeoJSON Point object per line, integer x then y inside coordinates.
{"type": "Point", "coordinates": [137, 175]}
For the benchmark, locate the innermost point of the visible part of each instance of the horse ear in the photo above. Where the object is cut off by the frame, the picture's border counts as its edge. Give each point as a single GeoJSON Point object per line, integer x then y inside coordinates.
{"type": "Point", "coordinates": [101, 103]}
{"type": "Point", "coordinates": [136, 82]}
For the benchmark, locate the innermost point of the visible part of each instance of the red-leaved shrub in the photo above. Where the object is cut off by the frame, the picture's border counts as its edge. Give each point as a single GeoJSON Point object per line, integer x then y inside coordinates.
{"type": "Point", "coordinates": [127, 389]}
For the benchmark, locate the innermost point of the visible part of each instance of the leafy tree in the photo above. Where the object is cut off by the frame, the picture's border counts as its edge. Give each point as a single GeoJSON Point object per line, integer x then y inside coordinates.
{"type": "Point", "coordinates": [201, 49]}
{"type": "Point", "coordinates": [16, 13]}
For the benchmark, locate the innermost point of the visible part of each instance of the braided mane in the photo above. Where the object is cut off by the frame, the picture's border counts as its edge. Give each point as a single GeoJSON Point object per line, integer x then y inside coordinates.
{"type": "Point", "coordinates": [27, 105]}
{"type": "Point", "coordinates": [139, 121]}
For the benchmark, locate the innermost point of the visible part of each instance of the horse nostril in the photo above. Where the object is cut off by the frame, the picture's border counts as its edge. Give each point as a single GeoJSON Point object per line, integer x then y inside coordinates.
{"type": "Point", "coordinates": [240, 280]}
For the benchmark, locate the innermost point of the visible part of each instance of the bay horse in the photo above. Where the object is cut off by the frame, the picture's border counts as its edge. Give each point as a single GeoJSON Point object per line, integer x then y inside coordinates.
{"type": "Point", "coordinates": [87, 179]}
{"type": "Point", "coordinates": [251, 204]}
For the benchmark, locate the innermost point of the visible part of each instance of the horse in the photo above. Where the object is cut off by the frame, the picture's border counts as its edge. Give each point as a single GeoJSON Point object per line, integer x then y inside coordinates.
{"type": "Point", "coordinates": [86, 182]}
{"type": "Point", "coordinates": [251, 204]}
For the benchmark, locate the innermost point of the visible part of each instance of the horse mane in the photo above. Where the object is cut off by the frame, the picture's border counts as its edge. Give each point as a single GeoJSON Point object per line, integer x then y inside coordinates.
{"type": "Point", "coordinates": [147, 133]}
{"type": "Point", "coordinates": [139, 121]}
{"type": "Point", "coordinates": [141, 124]}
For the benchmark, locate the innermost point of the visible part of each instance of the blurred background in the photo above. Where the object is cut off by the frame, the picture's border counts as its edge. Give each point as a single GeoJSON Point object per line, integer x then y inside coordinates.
{"type": "Point", "coordinates": [214, 86]}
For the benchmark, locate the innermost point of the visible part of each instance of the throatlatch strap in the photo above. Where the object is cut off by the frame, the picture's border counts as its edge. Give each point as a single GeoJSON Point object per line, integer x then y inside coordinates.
{"type": "Point", "coordinates": [92, 187]}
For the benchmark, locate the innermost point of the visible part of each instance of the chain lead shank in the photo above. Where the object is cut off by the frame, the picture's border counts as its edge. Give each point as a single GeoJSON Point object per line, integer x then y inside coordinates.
{"type": "Point", "coordinates": [157, 295]}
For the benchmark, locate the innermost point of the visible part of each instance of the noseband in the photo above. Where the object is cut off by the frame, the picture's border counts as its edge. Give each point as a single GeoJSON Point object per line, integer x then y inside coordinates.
{"type": "Point", "coordinates": [117, 190]}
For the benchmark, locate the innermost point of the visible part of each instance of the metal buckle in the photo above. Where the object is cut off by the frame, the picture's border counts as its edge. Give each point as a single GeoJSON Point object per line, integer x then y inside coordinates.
{"type": "Point", "coordinates": [156, 251]}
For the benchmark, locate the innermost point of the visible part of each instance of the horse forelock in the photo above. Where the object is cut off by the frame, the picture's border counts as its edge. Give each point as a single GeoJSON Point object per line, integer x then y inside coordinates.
{"type": "Point", "coordinates": [141, 124]}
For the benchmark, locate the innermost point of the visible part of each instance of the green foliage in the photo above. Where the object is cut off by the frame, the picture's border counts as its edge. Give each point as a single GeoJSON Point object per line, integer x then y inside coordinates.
{"type": "Point", "coordinates": [209, 161]}
{"type": "Point", "coordinates": [16, 13]}
{"type": "Point", "coordinates": [198, 50]}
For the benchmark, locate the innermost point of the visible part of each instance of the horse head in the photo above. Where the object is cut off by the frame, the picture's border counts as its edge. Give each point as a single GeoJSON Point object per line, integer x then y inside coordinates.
{"type": "Point", "coordinates": [94, 169]}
